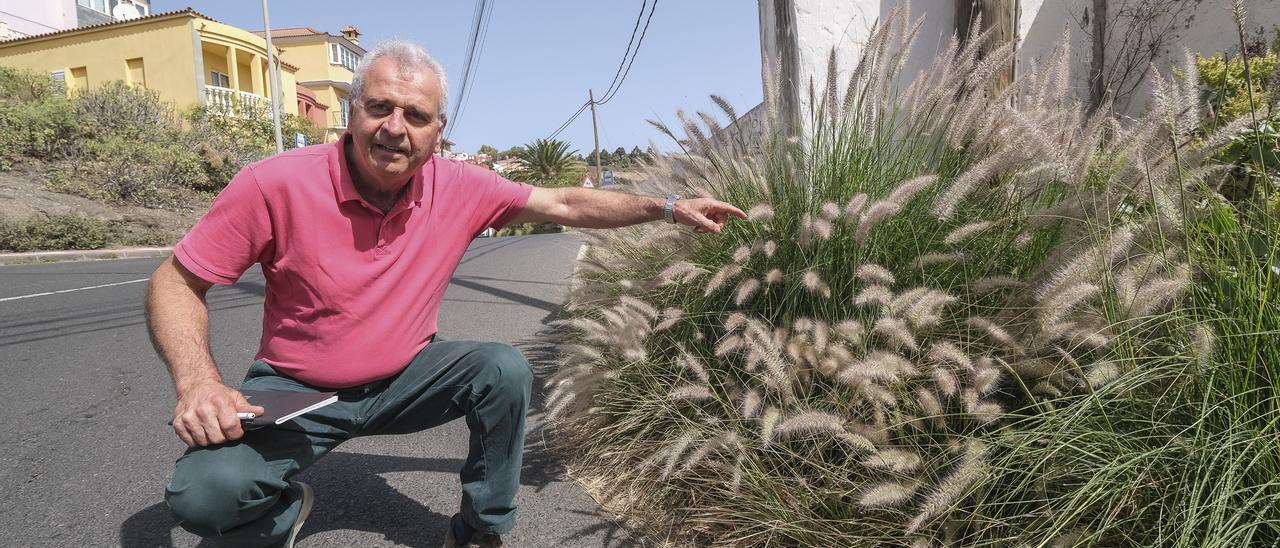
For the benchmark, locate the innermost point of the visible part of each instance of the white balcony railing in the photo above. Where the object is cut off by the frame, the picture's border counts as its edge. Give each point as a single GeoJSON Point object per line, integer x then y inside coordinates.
{"type": "Point", "coordinates": [231, 102]}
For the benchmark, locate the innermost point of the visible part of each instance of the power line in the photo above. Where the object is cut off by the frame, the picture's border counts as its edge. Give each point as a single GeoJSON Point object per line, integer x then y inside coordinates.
{"type": "Point", "coordinates": [566, 123]}
{"type": "Point", "coordinates": [475, 47]}
{"type": "Point", "coordinates": [627, 53]}
{"type": "Point", "coordinates": [610, 95]}
{"type": "Point", "coordinates": [620, 76]}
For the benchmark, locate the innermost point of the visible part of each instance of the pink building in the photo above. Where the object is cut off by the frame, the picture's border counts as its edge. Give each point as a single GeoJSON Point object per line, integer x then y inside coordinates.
{"type": "Point", "coordinates": [311, 108]}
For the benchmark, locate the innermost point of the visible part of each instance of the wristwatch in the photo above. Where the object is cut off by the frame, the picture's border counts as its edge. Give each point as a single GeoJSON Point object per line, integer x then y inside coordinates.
{"type": "Point", "coordinates": [669, 210]}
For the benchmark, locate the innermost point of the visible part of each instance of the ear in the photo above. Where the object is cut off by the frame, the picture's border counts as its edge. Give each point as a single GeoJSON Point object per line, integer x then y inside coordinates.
{"type": "Point", "coordinates": [444, 121]}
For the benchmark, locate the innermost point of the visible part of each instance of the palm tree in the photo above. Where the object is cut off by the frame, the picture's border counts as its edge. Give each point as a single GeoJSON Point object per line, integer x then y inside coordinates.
{"type": "Point", "coordinates": [547, 162]}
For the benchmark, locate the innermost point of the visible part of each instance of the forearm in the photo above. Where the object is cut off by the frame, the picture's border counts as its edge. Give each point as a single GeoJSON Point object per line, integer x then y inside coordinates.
{"type": "Point", "coordinates": [178, 322]}
{"type": "Point", "coordinates": [588, 208]}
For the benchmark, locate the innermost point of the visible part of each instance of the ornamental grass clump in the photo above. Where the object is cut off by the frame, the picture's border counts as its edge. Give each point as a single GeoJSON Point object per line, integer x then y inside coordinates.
{"type": "Point", "coordinates": [921, 270]}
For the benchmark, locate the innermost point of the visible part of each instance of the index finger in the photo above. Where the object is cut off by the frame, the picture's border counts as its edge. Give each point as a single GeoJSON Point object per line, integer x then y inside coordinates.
{"type": "Point", "coordinates": [729, 208]}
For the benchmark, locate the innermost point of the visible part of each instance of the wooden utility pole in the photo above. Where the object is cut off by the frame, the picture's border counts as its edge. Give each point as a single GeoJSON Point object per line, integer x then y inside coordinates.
{"type": "Point", "coordinates": [592, 97]}
{"type": "Point", "coordinates": [999, 16]}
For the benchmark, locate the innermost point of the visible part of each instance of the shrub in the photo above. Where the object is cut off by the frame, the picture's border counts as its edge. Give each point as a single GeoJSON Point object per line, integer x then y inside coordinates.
{"type": "Point", "coordinates": [126, 171]}
{"type": "Point", "coordinates": [71, 231]}
{"type": "Point", "coordinates": [924, 275]}
{"type": "Point", "coordinates": [117, 109]}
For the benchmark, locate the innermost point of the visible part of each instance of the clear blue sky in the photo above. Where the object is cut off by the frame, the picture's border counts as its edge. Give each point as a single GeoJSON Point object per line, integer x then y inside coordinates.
{"type": "Point", "coordinates": [540, 57]}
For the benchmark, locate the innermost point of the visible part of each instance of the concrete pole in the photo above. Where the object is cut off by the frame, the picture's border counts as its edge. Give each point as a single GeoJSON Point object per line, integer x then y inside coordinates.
{"type": "Point", "coordinates": [274, 71]}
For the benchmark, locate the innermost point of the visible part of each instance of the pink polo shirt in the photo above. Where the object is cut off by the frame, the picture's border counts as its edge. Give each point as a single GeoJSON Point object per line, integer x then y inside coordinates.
{"type": "Point", "coordinates": [352, 294]}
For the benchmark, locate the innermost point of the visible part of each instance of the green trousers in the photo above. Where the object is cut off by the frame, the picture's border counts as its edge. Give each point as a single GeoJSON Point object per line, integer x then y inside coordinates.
{"type": "Point", "coordinates": [237, 493]}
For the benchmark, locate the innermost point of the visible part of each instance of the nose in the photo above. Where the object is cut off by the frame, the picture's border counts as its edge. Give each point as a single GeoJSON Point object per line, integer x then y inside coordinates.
{"type": "Point", "coordinates": [394, 125]}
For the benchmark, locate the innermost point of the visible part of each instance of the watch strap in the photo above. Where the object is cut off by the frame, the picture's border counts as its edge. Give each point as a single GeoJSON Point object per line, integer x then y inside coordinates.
{"type": "Point", "coordinates": [669, 210]}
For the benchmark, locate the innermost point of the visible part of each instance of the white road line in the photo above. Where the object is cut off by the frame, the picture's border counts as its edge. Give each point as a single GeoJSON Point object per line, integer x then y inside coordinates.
{"type": "Point", "coordinates": [47, 293]}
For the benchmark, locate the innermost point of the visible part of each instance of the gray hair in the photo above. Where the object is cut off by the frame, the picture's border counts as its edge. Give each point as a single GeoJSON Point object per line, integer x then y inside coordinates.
{"type": "Point", "coordinates": [407, 55]}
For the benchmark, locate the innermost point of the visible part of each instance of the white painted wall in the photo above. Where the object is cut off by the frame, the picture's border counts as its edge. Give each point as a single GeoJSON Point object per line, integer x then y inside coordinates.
{"type": "Point", "coordinates": [821, 25]}
{"type": "Point", "coordinates": [845, 24]}
{"type": "Point", "coordinates": [28, 17]}
{"type": "Point", "coordinates": [1206, 26]}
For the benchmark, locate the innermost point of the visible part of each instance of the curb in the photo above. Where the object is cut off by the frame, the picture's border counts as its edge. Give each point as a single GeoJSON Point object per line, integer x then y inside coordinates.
{"type": "Point", "coordinates": [84, 255]}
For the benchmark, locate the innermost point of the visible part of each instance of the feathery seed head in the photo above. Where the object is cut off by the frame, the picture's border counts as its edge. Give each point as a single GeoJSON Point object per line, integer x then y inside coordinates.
{"type": "Point", "coordinates": [901, 461]}
{"type": "Point", "coordinates": [972, 466]}
{"type": "Point", "coordinates": [822, 228]}
{"type": "Point", "coordinates": [1203, 342]}
{"type": "Point", "coordinates": [830, 211]}
{"type": "Point", "coordinates": [851, 330]}
{"type": "Point", "coordinates": [986, 285]}
{"type": "Point", "coordinates": [774, 276]}
{"type": "Point", "coordinates": [871, 273]}
{"type": "Point", "coordinates": [669, 318]}
{"type": "Point", "coordinates": [874, 295]}
{"type": "Point", "coordinates": [746, 289]}
{"type": "Point", "coordinates": [721, 276]}
{"type": "Point", "coordinates": [945, 381]}
{"type": "Point", "coordinates": [751, 404]}
{"type": "Point", "coordinates": [854, 207]}
{"type": "Point", "coordinates": [930, 259]}
{"type": "Point", "coordinates": [741, 254]}
{"type": "Point", "coordinates": [886, 495]}
{"type": "Point", "coordinates": [928, 403]}
{"type": "Point", "coordinates": [693, 364]}
{"type": "Point", "coordinates": [909, 188]}
{"type": "Point", "coordinates": [728, 345]}
{"type": "Point", "coordinates": [760, 212]}
{"type": "Point", "coordinates": [896, 332]}
{"type": "Point", "coordinates": [690, 392]}
{"type": "Point", "coordinates": [960, 234]}
{"type": "Point", "coordinates": [679, 271]}
{"type": "Point", "coordinates": [813, 282]}
{"type": "Point", "coordinates": [734, 321]}
{"type": "Point", "coordinates": [878, 212]}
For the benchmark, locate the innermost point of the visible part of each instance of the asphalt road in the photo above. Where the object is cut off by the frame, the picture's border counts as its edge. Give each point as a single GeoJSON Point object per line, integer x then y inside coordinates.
{"type": "Point", "coordinates": [85, 451]}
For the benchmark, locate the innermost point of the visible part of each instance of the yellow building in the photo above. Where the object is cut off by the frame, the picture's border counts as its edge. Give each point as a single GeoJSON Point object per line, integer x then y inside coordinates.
{"type": "Point", "coordinates": [327, 65]}
{"type": "Point", "coordinates": [189, 58]}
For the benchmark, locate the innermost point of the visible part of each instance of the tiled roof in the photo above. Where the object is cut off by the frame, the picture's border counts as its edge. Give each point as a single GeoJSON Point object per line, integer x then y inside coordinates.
{"type": "Point", "coordinates": [163, 15]}
{"type": "Point", "coordinates": [291, 32]}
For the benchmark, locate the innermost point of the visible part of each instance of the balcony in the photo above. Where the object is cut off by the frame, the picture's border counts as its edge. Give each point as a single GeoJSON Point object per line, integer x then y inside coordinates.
{"type": "Point", "coordinates": [231, 102]}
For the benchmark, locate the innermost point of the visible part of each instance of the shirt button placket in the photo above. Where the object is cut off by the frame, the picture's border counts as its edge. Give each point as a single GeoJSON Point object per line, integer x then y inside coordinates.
{"type": "Point", "coordinates": [382, 238]}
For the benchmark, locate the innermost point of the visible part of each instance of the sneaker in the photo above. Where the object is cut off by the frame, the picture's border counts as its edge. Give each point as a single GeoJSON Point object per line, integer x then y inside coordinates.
{"type": "Point", "coordinates": [461, 535]}
{"type": "Point", "coordinates": [308, 496]}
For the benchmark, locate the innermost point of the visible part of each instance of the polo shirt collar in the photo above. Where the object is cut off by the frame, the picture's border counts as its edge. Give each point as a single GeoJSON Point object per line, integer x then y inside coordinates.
{"type": "Point", "coordinates": [345, 187]}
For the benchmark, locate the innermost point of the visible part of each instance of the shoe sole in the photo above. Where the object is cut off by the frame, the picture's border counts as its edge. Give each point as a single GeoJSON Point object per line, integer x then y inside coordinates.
{"type": "Point", "coordinates": [308, 501]}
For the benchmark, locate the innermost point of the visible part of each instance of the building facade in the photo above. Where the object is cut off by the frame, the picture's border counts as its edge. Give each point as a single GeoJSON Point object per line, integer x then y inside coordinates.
{"type": "Point", "coordinates": [188, 58]}
{"type": "Point", "coordinates": [327, 66]}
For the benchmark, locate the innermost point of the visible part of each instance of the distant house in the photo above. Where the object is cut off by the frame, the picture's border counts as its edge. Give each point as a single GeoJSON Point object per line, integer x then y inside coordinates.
{"type": "Point", "coordinates": [19, 19]}
{"type": "Point", "coordinates": [327, 64]}
{"type": "Point", "coordinates": [189, 58]}
{"type": "Point", "coordinates": [508, 165]}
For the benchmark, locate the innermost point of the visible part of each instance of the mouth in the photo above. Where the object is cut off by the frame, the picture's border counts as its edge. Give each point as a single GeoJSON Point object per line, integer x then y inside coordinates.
{"type": "Point", "coordinates": [389, 149]}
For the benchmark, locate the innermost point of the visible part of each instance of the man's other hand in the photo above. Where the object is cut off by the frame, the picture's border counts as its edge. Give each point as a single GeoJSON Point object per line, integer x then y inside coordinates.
{"type": "Point", "coordinates": [705, 214]}
{"type": "Point", "coordinates": [206, 414]}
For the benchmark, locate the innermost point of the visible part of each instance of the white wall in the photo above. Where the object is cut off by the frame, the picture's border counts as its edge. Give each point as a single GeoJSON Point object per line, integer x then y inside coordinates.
{"type": "Point", "coordinates": [1203, 26]}
{"type": "Point", "coordinates": [29, 17]}
{"type": "Point", "coordinates": [820, 25]}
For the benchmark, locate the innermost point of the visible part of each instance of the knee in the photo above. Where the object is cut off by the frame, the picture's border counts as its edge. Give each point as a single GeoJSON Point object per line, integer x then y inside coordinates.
{"type": "Point", "coordinates": [208, 497]}
{"type": "Point", "coordinates": [511, 372]}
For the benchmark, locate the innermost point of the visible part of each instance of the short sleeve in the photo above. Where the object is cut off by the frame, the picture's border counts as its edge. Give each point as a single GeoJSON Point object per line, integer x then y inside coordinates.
{"type": "Point", "coordinates": [503, 201]}
{"type": "Point", "coordinates": [231, 236]}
